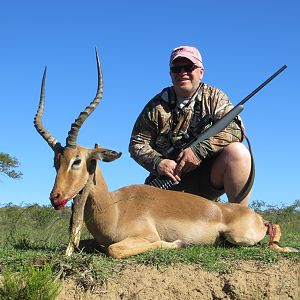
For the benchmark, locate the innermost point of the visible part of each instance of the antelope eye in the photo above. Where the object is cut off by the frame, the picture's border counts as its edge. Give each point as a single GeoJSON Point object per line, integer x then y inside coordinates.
{"type": "Point", "coordinates": [76, 163]}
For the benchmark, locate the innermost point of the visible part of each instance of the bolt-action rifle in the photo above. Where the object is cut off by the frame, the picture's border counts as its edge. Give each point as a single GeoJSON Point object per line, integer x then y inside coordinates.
{"type": "Point", "coordinates": [189, 140]}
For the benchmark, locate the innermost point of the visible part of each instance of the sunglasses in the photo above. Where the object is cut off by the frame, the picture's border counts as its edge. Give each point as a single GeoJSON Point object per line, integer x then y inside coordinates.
{"type": "Point", "coordinates": [186, 69]}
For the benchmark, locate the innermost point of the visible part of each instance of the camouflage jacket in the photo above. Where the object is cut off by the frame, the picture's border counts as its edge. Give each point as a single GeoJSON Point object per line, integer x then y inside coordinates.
{"type": "Point", "coordinates": [157, 127]}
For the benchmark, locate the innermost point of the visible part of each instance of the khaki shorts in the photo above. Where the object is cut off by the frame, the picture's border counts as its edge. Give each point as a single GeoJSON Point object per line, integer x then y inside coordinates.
{"type": "Point", "coordinates": [198, 182]}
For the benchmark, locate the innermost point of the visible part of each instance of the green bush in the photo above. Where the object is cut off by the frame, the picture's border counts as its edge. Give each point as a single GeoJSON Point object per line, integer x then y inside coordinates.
{"type": "Point", "coordinates": [33, 283]}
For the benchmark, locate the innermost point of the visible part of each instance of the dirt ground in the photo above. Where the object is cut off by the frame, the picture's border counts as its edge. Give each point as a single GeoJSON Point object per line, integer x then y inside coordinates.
{"type": "Point", "coordinates": [244, 280]}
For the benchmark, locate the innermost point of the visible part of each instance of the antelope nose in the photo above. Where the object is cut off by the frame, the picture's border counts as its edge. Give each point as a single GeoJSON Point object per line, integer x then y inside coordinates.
{"type": "Point", "coordinates": [54, 197]}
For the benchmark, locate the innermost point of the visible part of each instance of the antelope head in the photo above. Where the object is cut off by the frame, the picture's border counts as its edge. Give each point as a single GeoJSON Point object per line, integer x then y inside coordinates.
{"type": "Point", "coordinates": [73, 163]}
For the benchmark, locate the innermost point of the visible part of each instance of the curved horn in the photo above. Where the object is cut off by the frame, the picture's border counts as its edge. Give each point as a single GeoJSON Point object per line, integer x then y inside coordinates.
{"type": "Point", "coordinates": [75, 127]}
{"type": "Point", "coordinates": [50, 139]}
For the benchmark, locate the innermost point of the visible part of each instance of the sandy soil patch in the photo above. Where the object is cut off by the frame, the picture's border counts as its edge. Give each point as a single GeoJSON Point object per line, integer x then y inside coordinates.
{"type": "Point", "coordinates": [244, 280]}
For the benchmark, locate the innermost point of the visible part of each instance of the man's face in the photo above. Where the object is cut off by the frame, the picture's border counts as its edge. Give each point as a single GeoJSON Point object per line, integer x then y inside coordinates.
{"type": "Point", "coordinates": [186, 81]}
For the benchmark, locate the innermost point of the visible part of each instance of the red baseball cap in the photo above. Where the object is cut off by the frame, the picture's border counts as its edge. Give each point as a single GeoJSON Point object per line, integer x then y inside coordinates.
{"type": "Point", "coordinates": [188, 52]}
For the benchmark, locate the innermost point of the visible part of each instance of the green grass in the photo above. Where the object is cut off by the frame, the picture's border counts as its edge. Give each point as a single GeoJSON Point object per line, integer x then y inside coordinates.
{"type": "Point", "coordinates": [30, 283]}
{"type": "Point", "coordinates": [33, 240]}
{"type": "Point", "coordinates": [210, 258]}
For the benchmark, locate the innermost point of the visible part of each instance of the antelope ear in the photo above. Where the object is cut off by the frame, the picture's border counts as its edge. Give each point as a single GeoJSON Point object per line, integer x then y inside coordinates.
{"type": "Point", "coordinates": [104, 154]}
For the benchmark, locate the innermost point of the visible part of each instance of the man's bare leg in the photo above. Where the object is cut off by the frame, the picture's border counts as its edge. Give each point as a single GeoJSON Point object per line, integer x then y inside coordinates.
{"type": "Point", "coordinates": [231, 171]}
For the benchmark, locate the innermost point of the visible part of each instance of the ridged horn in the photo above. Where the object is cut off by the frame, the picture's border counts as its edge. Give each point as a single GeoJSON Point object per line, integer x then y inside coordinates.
{"type": "Point", "coordinates": [49, 138]}
{"type": "Point", "coordinates": [75, 127]}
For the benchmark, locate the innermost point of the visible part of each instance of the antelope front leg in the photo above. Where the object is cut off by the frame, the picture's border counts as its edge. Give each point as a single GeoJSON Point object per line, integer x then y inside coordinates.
{"type": "Point", "coordinates": [77, 214]}
{"type": "Point", "coordinates": [75, 224]}
{"type": "Point", "coordinates": [136, 245]}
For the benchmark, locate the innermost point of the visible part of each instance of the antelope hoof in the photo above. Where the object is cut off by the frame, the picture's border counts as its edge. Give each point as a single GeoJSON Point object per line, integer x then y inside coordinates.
{"type": "Point", "coordinates": [277, 247]}
{"type": "Point", "coordinates": [180, 244]}
{"type": "Point", "coordinates": [69, 250]}
{"type": "Point", "coordinates": [290, 249]}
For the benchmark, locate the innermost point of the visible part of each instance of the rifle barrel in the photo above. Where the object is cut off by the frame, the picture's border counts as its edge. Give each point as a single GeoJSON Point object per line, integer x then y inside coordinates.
{"type": "Point", "coordinates": [262, 85]}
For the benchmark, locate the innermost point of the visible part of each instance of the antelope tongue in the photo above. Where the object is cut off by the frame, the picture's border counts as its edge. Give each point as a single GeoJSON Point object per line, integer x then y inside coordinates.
{"type": "Point", "coordinates": [61, 205]}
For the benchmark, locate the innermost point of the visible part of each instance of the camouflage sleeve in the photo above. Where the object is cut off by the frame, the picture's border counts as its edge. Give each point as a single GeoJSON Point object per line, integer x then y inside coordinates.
{"type": "Point", "coordinates": [141, 142]}
{"type": "Point", "coordinates": [234, 132]}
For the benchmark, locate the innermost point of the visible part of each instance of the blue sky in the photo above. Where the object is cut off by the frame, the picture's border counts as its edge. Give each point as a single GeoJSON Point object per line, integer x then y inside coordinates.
{"type": "Point", "coordinates": [242, 43]}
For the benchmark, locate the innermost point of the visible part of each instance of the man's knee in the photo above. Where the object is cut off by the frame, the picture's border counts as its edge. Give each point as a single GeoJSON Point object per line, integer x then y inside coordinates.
{"type": "Point", "coordinates": [236, 153]}
{"type": "Point", "coordinates": [233, 157]}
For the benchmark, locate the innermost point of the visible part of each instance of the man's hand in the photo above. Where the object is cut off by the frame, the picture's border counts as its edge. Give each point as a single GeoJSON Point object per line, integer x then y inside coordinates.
{"type": "Point", "coordinates": [167, 168]}
{"type": "Point", "coordinates": [187, 161]}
